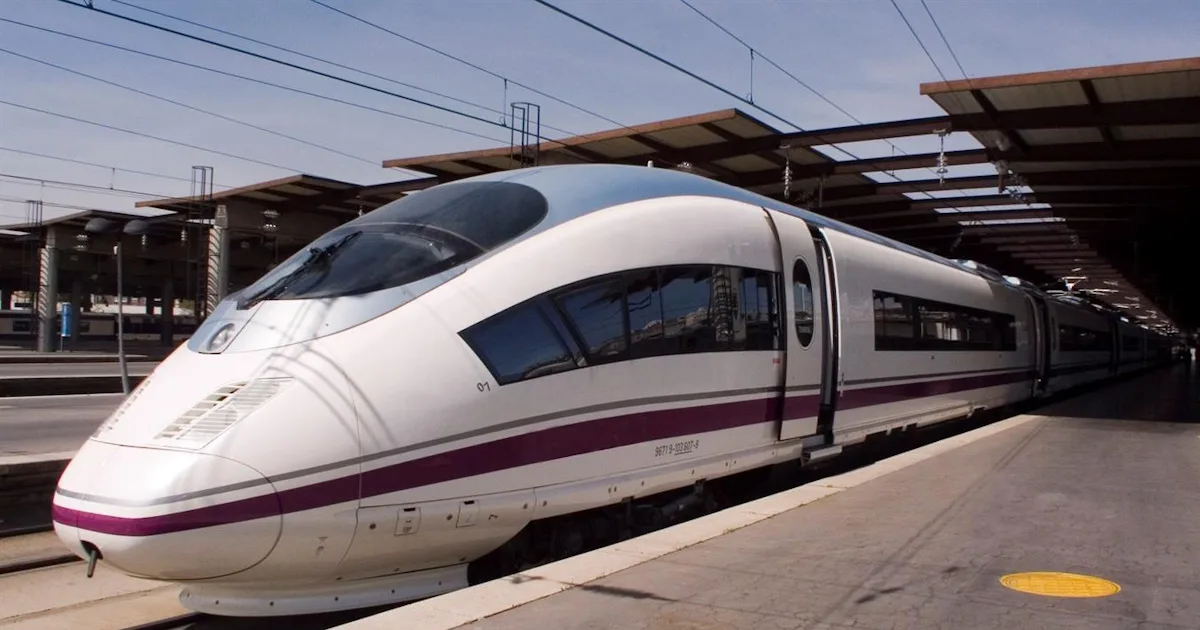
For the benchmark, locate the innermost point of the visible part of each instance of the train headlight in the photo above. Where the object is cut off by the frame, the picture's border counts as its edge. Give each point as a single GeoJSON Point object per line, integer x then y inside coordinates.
{"type": "Point", "coordinates": [220, 339]}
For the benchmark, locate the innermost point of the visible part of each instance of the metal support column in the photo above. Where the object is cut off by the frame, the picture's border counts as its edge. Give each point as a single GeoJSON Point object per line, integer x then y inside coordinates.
{"type": "Point", "coordinates": [76, 307]}
{"type": "Point", "coordinates": [218, 259]}
{"type": "Point", "coordinates": [167, 318]}
{"type": "Point", "coordinates": [47, 295]}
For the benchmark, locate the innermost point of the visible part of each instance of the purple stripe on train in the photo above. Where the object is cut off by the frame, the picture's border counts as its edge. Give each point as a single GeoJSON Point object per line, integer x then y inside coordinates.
{"type": "Point", "coordinates": [519, 450]}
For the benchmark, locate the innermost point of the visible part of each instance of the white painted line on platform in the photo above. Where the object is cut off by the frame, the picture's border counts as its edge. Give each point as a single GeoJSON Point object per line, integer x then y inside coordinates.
{"type": "Point", "coordinates": [464, 606]}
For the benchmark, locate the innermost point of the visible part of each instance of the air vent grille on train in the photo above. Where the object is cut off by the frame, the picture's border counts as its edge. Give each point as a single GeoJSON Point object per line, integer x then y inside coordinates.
{"type": "Point", "coordinates": [218, 411]}
{"type": "Point", "coordinates": [123, 407]}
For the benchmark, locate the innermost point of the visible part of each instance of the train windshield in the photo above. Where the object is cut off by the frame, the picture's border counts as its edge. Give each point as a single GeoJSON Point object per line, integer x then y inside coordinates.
{"type": "Point", "coordinates": [421, 235]}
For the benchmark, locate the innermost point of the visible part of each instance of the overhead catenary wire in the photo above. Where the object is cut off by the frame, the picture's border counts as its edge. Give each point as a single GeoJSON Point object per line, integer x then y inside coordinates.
{"type": "Point", "coordinates": [664, 61]}
{"type": "Point", "coordinates": [332, 63]}
{"type": "Point", "coordinates": [107, 167]}
{"type": "Point", "coordinates": [150, 136]}
{"type": "Point", "coordinates": [253, 80]}
{"type": "Point", "coordinates": [723, 90]}
{"type": "Point", "coordinates": [759, 54]}
{"type": "Point", "coordinates": [735, 96]}
{"type": "Point", "coordinates": [429, 47]}
{"type": "Point", "coordinates": [191, 107]}
{"type": "Point", "coordinates": [986, 227]}
{"type": "Point", "coordinates": [296, 66]}
{"type": "Point", "coordinates": [944, 40]}
{"type": "Point", "coordinates": [470, 64]}
{"type": "Point", "coordinates": [290, 65]}
{"type": "Point", "coordinates": [78, 186]}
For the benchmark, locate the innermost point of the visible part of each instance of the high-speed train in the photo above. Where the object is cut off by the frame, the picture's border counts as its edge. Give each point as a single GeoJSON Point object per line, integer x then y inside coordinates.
{"type": "Point", "coordinates": [421, 388]}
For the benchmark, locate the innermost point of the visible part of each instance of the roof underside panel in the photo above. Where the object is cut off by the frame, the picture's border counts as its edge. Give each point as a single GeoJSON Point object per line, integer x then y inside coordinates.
{"type": "Point", "coordinates": [1115, 154]}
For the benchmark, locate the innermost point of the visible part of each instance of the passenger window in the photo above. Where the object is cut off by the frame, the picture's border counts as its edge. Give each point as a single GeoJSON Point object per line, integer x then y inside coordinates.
{"type": "Point", "coordinates": [645, 314]}
{"type": "Point", "coordinates": [597, 312]}
{"type": "Point", "coordinates": [758, 312]}
{"type": "Point", "coordinates": [519, 344]}
{"type": "Point", "coordinates": [689, 307]}
{"type": "Point", "coordinates": [802, 286]}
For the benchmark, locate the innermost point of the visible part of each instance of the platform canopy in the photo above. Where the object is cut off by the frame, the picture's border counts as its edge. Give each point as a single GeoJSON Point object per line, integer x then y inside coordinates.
{"type": "Point", "coordinates": [298, 194]}
{"type": "Point", "coordinates": [1090, 171]}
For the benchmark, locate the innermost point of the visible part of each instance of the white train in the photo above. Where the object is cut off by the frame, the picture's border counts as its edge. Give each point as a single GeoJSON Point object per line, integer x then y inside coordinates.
{"type": "Point", "coordinates": [428, 385]}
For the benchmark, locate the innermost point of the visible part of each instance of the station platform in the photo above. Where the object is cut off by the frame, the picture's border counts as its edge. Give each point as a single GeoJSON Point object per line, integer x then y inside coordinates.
{"type": "Point", "coordinates": [1085, 515]}
{"type": "Point", "coordinates": [51, 424]}
{"type": "Point", "coordinates": [84, 352]}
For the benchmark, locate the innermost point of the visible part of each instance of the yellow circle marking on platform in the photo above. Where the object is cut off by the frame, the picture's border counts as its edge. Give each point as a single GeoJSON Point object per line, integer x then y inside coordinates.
{"type": "Point", "coordinates": [1053, 584]}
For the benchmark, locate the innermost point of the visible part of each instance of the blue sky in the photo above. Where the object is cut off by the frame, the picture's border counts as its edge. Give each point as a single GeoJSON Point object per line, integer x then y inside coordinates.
{"type": "Point", "coordinates": [858, 53]}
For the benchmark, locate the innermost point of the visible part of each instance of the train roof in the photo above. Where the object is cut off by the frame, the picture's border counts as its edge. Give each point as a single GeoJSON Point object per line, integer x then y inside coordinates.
{"type": "Point", "coordinates": [578, 189]}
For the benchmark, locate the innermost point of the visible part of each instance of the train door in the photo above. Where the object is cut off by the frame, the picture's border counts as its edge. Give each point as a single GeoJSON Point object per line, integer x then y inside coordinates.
{"type": "Point", "coordinates": [809, 342]}
{"type": "Point", "coordinates": [1042, 341]}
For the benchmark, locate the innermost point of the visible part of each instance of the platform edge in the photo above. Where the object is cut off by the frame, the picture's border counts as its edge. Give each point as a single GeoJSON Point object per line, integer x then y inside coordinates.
{"type": "Point", "coordinates": [458, 608]}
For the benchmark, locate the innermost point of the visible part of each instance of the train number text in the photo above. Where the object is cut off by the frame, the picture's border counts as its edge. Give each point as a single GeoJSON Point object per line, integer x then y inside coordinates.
{"type": "Point", "coordinates": [677, 448]}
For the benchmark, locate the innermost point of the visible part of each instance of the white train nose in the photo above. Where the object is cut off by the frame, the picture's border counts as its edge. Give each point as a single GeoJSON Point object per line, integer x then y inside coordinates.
{"type": "Point", "coordinates": [166, 514]}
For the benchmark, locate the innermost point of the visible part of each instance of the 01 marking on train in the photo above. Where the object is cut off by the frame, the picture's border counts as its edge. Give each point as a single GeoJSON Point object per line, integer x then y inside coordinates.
{"type": "Point", "coordinates": [677, 448]}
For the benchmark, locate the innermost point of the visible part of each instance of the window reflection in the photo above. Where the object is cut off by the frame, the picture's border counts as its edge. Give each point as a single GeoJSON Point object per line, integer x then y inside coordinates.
{"type": "Point", "coordinates": [520, 344]}
{"type": "Point", "coordinates": [759, 309]}
{"type": "Point", "coordinates": [635, 314]}
{"type": "Point", "coordinates": [645, 309]}
{"type": "Point", "coordinates": [908, 323]}
{"type": "Point", "coordinates": [802, 286]}
{"type": "Point", "coordinates": [598, 315]}
{"type": "Point", "coordinates": [688, 302]}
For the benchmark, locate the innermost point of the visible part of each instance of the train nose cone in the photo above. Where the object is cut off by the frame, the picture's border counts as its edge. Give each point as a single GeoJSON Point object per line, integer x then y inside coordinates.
{"type": "Point", "coordinates": [166, 514]}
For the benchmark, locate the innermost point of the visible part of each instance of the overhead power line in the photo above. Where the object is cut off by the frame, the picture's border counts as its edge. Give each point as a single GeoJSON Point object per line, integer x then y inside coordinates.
{"type": "Point", "coordinates": [725, 91]}
{"type": "Point", "coordinates": [449, 110]}
{"type": "Point", "coordinates": [760, 55]}
{"type": "Point", "coordinates": [252, 80]}
{"type": "Point", "coordinates": [332, 63]}
{"type": "Point", "coordinates": [149, 136]}
{"type": "Point", "coordinates": [920, 42]}
{"type": "Point", "coordinates": [191, 107]}
{"type": "Point", "coordinates": [470, 64]}
{"type": "Point", "coordinates": [944, 40]}
{"type": "Point", "coordinates": [78, 186]}
{"type": "Point", "coordinates": [107, 167]}
{"type": "Point", "coordinates": [661, 60]}
{"type": "Point", "coordinates": [295, 66]}
{"type": "Point", "coordinates": [755, 52]}
{"type": "Point", "coordinates": [65, 206]}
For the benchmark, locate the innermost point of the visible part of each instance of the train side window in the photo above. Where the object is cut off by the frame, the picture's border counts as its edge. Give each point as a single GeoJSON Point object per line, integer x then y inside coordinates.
{"type": "Point", "coordinates": [597, 314]}
{"type": "Point", "coordinates": [895, 328]}
{"type": "Point", "coordinates": [644, 304]}
{"type": "Point", "coordinates": [802, 287]}
{"type": "Point", "coordinates": [1079, 339]}
{"type": "Point", "coordinates": [758, 311]}
{"type": "Point", "coordinates": [907, 323]}
{"type": "Point", "coordinates": [695, 301]}
{"type": "Point", "coordinates": [519, 344]}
